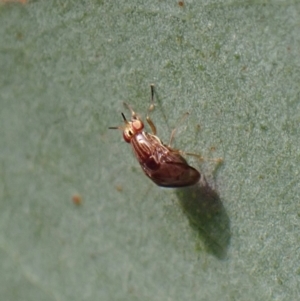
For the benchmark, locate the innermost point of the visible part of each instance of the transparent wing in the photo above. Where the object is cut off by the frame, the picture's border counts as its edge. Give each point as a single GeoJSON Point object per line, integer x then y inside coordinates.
{"type": "Point", "coordinates": [163, 165]}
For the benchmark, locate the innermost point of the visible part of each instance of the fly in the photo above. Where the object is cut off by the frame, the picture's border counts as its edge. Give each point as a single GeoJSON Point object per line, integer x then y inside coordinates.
{"type": "Point", "coordinates": [163, 164]}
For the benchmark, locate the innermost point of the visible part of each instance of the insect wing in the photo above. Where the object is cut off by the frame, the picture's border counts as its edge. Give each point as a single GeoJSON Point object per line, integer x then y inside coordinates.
{"type": "Point", "coordinates": [174, 172]}
{"type": "Point", "coordinates": [164, 166]}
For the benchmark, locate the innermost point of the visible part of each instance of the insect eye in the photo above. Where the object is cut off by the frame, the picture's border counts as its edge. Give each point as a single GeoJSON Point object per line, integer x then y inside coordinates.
{"type": "Point", "coordinates": [127, 134]}
{"type": "Point", "coordinates": [137, 125]}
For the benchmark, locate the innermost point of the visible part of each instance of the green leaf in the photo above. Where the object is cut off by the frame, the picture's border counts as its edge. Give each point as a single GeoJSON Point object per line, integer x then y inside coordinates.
{"type": "Point", "coordinates": [66, 67]}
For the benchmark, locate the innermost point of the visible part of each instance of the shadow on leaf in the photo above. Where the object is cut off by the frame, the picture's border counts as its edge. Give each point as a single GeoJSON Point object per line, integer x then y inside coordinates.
{"type": "Point", "coordinates": [206, 214]}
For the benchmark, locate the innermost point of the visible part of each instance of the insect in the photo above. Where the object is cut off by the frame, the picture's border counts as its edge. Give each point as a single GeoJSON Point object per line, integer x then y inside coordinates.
{"type": "Point", "coordinates": [164, 165]}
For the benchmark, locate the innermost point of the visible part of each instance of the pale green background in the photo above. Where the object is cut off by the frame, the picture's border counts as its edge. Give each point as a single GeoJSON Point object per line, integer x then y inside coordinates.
{"type": "Point", "coordinates": [66, 67]}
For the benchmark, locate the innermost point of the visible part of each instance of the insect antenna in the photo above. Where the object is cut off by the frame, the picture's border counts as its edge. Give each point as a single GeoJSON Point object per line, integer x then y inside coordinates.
{"type": "Point", "coordinates": [124, 118]}
{"type": "Point", "coordinates": [127, 106]}
{"type": "Point", "coordinates": [119, 127]}
{"type": "Point", "coordinates": [114, 128]}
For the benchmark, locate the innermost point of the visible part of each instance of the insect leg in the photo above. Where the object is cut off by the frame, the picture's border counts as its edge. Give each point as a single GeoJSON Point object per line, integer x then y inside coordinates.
{"type": "Point", "coordinates": [216, 160]}
{"type": "Point", "coordinates": [151, 108]}
{"type": "Point", "coordinates": [184, 116]}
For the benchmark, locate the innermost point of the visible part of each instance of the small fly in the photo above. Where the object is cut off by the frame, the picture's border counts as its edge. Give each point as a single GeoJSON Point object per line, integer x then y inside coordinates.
{"type": "Point", "coordinates": [163, 164]}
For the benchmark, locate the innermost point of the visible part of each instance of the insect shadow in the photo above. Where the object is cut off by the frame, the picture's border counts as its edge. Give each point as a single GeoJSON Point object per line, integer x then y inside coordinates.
{"type": "Point", "coordinates": [207, 216]}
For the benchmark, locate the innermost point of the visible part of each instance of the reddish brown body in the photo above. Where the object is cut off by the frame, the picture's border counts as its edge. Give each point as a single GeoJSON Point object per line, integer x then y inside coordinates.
{"type": "Point", "coordinates": [162, 164]}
